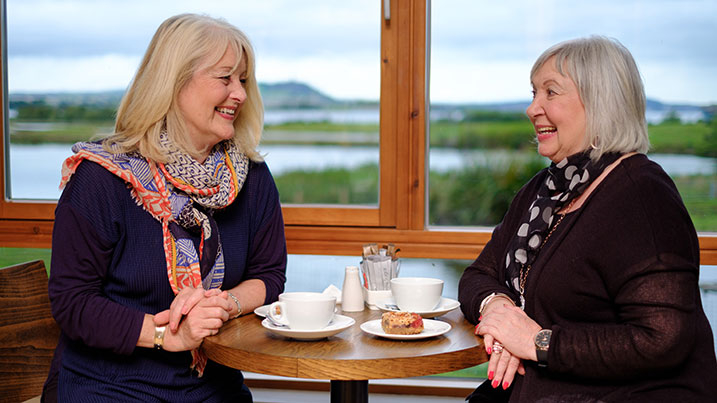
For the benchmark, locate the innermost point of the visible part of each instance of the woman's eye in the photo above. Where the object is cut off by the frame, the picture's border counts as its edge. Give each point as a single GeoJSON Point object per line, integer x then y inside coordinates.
{"type": "Point", "coordinates": [242, 80]}
{"type": "Point", "coordinates": [551, 92]}
{"type": "Point", "coordinates": [533, 93]}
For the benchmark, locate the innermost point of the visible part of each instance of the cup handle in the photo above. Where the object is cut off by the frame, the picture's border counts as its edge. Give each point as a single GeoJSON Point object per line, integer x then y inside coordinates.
{"type": "Point", "coordinates": [276, 313]}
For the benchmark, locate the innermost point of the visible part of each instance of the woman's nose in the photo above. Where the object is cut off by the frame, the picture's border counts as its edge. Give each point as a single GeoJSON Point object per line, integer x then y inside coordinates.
{"type": "Point", "coordinates": [534, 109]}
{"type": "Point", "coordinates": [238, 93]}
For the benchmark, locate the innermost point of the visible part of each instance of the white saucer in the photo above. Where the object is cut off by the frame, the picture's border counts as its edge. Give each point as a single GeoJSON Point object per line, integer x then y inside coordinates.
{"type": "Point", "coordinates": [337, 325]}
{"type": "Point", "coordinates": [431, 328]}
{"type": "Point", "coordinates": [446, 305]}
{"type": "Point", "coordinates": [262, 310]}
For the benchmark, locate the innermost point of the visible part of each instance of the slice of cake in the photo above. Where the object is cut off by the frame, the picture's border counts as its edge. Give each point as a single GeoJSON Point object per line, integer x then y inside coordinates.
{"type": "Point", "coordinates": [401, 323]}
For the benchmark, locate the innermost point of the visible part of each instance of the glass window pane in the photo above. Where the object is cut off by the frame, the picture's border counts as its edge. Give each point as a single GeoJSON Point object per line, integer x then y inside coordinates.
{"type": "Point", "coordinates": [482, 147]}
{"type": "Point", "coordinates": [317, 64]}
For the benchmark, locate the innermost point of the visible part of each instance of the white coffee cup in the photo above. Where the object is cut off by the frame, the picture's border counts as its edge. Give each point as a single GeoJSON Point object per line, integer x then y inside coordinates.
{"type": "Point", "coordinates": [303, 310]}
{"type": "Point", "coordinates": [416, 294]}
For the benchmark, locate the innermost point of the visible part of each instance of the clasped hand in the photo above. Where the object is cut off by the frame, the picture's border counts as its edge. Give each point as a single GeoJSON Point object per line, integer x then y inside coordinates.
{"type": "Point", "coordinates": [193, 315]}
{"type": "Point", "coordinates": [516, 331]}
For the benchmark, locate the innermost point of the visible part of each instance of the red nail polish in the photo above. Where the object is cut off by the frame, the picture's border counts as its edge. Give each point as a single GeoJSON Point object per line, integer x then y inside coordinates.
{"type": "Point", "coordinates": [505, 385]}
{"type": "Point", "coordinates": [480, 319]}
{"type": "Point", "coordinates": [490, 375]}
{"type": "Point", "coordinates": [495, 384]}
{"type": "Point", "coordinates": [488, 350]}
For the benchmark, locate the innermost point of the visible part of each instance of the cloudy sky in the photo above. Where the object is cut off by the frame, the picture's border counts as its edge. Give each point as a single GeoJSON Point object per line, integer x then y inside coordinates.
{"type": "Point", "coordinates": [481, 51]}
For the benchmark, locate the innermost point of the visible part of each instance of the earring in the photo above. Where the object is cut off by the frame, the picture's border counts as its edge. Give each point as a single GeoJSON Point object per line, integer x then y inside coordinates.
{"type": "Point", "coordinates": [594, 147]}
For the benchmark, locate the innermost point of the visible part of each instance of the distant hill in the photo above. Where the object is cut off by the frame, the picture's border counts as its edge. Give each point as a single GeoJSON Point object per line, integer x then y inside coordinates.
{"type": "Point", "coordinates": [100, 99]}
{"type": "Point", "coordinates": [296, 95]}
{"type": "Point", "coordinates": [279, 95]}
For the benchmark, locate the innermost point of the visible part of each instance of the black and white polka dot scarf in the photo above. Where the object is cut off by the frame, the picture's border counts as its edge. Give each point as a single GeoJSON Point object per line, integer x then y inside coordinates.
{"type": "Point", "coordinates": [566, 180]}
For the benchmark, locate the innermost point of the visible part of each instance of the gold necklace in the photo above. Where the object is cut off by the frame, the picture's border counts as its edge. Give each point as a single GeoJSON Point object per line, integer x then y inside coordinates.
{"type": "Point", "coordinates": [524, 273]}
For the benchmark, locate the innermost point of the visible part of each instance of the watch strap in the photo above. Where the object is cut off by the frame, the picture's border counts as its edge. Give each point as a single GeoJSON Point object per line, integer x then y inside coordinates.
{"type": "Point", "coordinates": [542, 344]}
{"type": "Point", "coordinates": [159, 337]}
{"type": "Point", "coordinates": [542, 357]}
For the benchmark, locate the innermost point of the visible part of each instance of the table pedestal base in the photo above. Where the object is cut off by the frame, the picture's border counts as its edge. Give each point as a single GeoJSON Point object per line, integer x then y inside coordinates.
{"type": "Point", "coordinates": [349, 391]}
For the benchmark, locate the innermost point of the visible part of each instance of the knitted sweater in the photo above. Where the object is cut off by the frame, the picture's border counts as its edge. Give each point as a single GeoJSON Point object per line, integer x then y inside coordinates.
{"type": "Point", "coordinates": [108, 270]}
{"type": "Point", "coordinates": [618, 285]}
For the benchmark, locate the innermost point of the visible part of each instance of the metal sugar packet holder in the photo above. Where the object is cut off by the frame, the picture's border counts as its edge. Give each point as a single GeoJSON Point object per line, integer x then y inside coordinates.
{"type": "Point", "coordinates": [379, 266]}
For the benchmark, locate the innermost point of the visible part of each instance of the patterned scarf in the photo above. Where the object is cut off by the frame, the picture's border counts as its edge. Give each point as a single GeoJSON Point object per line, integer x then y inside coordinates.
{"type": "Point", "coordinates": [182, 196]}
{"type": "Point", "coordinates": [566, 181]}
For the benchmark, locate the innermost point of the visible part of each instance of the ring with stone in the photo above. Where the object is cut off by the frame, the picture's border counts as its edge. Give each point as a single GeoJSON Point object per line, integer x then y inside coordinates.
{"type": "Point", "coordinates": [497, 348]}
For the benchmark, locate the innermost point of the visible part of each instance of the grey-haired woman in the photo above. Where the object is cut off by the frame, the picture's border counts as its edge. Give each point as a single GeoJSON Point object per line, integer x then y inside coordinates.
{"type": "Point", "coordinates": [588, 289]}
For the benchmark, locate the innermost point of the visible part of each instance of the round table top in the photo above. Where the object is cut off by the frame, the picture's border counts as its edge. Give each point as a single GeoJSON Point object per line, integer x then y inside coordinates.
{"type": "Point", "coordinates": [243, 343]}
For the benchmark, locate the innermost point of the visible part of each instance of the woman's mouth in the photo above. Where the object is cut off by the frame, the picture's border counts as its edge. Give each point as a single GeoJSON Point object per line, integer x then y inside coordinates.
{"type": "Point", "coordinates": [545, 132]}
{"type": "Point", "coordinates": [229, 112]}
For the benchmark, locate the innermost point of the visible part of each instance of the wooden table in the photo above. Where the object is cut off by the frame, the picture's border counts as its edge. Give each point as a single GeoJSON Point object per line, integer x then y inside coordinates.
{"type": "Point", "coordinates": [350, 358]}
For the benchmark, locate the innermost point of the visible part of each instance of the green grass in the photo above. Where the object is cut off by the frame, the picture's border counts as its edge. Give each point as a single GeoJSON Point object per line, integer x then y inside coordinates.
{"type": "Point", "coordinates": [13, 256]}
{"type": "Point", "coordinates": [699, 193]}
{"type": "Point", "coordinates": [668, 137]}
{"type": "Point", "coordinates": [513, 135]}
{"type": "Point", "coordinates": [479, 371]}
{"type": "Point", "coordinates": [678, 138]}
{"type": "Point", "coordinates": [331, 186]}
{"type": "Point", "coordinates": [61, 133]}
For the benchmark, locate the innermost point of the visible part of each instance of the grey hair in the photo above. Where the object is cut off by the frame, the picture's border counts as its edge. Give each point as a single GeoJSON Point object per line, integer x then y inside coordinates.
{"type": "Point", "coordinates": [182, 45]}
{"type": "Point", "coordinates": [610, 88]}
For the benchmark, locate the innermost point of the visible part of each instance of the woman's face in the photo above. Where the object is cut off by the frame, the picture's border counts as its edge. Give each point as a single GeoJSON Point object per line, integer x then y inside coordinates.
{"type": "Point", "coordinates": [211, 100]}
{"type": "Point", "coordinates": [557, 113]}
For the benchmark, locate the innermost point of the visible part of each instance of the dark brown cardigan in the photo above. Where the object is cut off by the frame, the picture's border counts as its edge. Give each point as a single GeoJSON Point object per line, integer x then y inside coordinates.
{"type": "Point", "coordinates": [618, 285]}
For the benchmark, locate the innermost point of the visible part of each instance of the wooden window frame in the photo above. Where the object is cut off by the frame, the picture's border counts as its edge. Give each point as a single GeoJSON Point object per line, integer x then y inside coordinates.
{"type": "Point", "coordinates": [400, 216]}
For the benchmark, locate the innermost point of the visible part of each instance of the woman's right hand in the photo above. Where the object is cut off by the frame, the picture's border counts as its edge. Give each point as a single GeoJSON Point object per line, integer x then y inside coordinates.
{"type": "Point", "coordinates": [186, 300]}
{"type": "Point", "coordinates": [502, 365]}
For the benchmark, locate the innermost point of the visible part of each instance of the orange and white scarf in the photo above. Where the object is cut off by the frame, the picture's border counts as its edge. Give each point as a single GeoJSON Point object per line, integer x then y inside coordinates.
{"type": "Point", "coordinates": [182, 196]}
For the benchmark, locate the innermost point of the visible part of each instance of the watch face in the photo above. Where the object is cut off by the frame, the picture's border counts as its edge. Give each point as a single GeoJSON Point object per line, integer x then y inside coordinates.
{"type": "Point", "coordinates": [542, 339]}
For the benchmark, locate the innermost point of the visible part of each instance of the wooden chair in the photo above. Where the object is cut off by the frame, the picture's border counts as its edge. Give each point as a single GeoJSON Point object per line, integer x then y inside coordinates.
{"type": "Point", "coordinates": [28, 333]}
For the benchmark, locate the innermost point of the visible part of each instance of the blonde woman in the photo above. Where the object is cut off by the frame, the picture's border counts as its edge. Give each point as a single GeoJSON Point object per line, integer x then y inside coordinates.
{"type": "Point", "coordinates": [168, 228]}
{"type": "Point", "coordinates": [587, 290]}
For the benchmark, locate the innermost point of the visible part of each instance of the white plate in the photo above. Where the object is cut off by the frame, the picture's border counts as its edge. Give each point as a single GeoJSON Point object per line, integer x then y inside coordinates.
{"type": "Point", "coordinates": [446, 305]}
{"type": "Point", "coordinates": [262, 310]}
{"type": "Point", "coordinates": [337, 325]}
{"type": "Point", "coordinates": [431, 328]}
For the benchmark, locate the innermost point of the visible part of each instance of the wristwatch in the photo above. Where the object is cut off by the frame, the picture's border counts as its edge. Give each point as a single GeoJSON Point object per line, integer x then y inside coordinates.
{"type": "Point", "coordinates": [542, 344]}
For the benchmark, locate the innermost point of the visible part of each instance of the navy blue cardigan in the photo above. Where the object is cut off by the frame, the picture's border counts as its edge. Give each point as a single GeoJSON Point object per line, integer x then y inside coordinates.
{"type": "Point", "coordinates": [108, 270]}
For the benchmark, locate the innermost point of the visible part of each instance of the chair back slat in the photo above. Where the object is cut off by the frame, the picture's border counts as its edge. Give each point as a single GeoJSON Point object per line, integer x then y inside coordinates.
{"type": "Point", "coordinates": [28, 333]}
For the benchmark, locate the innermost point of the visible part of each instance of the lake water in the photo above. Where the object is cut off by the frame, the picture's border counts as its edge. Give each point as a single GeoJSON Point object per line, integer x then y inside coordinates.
{"type": "Point", "coordinates": [371, 115]}
{"type": "Point", "coordinates": [35, 169]}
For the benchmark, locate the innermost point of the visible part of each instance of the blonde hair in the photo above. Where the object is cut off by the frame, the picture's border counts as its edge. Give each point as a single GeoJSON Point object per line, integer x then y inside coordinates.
{"type": "Point", "coordinates": [610, 88]}
{"type": "Point", "coordinates": [182, 45]}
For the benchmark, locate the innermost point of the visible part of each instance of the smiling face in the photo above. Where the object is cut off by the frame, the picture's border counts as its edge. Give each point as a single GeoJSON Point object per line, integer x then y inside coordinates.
{"type": "Point", "coordinates": [211, 100]}
{"type": "Point", "coordinates": [557, 113]}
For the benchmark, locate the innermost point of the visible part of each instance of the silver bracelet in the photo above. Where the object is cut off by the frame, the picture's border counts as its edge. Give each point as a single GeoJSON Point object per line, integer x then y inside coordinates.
{"type": "Point", "coordinates": [490, 298]}
{"type": "Point", "coordinates": [236, 301]}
